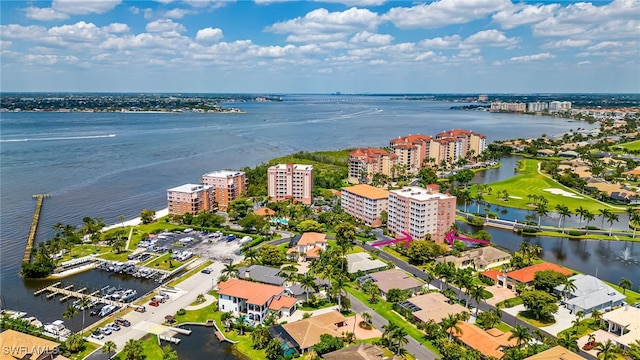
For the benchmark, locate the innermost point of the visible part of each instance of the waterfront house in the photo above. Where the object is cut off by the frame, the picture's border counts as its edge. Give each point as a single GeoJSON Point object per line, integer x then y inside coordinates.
{"type": "Point", "coordinates": [432, 306]}
{"type": "Point", "coordinates": [545, 152]}
{"type": "Point", "coordinates": [362, 262]}
{"type": "Point", "coordinates": [393, 279]}
{"type": "Point", "coordinates": [525, 275]}
{"type": "Point", "coordinates": [17, 345]}
{"type": "Point", "coordinates": [310, 244]}
{"type": "Point", "coordinates": [556, 353]}
{"type": "Point", "coordinates": [624, 322]}
{"type": "Point", "coordinates": [254, 299]}
{"type": "Point", "coordinates": [480, 259]}
{"type": "Point", "coordinates": [590, 294]}
{"type": "Point", "coordinates": [361, 351]}
{"type": "Point", "coordinates": [302, 335]}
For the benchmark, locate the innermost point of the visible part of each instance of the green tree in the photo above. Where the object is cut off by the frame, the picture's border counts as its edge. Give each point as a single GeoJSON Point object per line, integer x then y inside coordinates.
{"type": "Point", "coordinates": [147, 216]}
{"type": "Point", "coordinates": [252, 222]}
{"type": "Point", "coordinates": [273, 351]}
{"type": "Point", "coordinates": [521, 334]}
{"type": "Point", "coordinates": [488, 319]}
{"type": "Point", "coordinates": [168, 353]}
{"type": "Point", "coordinates": [133, 350]}
{"type": "Point", "coordinates": [607, 350]}
{"type": "Point", "coordinates": [230, 270]}
{"type": "Point", "coordinates": [589, 217]}
{"type": "Point", "coordinates": [252, 255]}
{"type": "Point", "coordinates": [400, 337]}
{"type": "Point", "coordinates": [327, 344]}
{"type": "Point", "coordinates": [109, 348]}
{"type": "Point", "coordinates": [563, 211]}
{"type": "Point", "coordinates": [568, 340]}
{"type": "Point", "coordinates": [241, 323]}
{"type": "Point", "coordinates": [539, 303]}
{"type": "Point", "coordinates": [345, 235]}
{"type": "Point", "coordinates": [260, 337]}
{"type": "Point", "coordinates": [547, 280]}
{"type": "Point", "coordinates": [397, 295]}
{"type": "Point", "coordinates": [310, 226]}
{"type": "Point", "coordinates": [84, 303]}
{"type": "Point", "coordinates": [271, 255]}
{"type": "Point", "coordinates": [541, 210]}
{"type": "Point", "coordinates": [74, 343]}
{"type": "Point", "coordinates": [568, 287]}
{"type": "Point", "coordinates": [307, 283]}
{"type": "Point", "coordinates": [450, 324]}
{"type": "Point", "coordinates": [118, 245]}
{"type": "Point", "coordinates": [476, 292]}
{"type": "Point", "coordinates": [611, 218]}
{"type": "Point", "coordinates": [420, 252]}
{"type": "Point", "coordinates": [625, 284]}
{"type": "Point", "coordinates": [70, 312]}
{"type": "Point", "coordinates": [581, 212]}
{"type": "Point", "coordinates": [634, 350]}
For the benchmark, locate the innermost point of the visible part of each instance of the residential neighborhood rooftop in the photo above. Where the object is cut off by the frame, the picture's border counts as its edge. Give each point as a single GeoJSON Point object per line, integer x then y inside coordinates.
{"type": "Point", "coordinates": [254, 293]}
{"type": "Point", "coordinates": [307, 332]}
{"type": "Point", "coordinates": [395, 279]}
{"type": "Point", "coordinates": [489, 343]}
{"type": "Point", "coordinates": [556, 353]}
{"type": "Point", "coordinates": [367, 191]}
{"type": "Point", "coordinates": [362, 262]}
{"type": "Point", "coordinates": [527, 274]}
{"type": "Point", "coordinates": [310, 238]}
{"type": "Point", "coordinates": [362, 351]}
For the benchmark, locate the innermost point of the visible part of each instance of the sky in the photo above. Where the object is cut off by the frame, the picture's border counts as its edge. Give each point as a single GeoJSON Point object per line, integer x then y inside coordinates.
{"type": "Point", "coordinates": [348, 46]}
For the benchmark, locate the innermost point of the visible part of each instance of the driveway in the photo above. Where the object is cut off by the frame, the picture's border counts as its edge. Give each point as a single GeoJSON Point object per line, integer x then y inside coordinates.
{"type": "Point", "coordinates": [499, 294]}
{"type": "Point", "coordinates": [563, 319]}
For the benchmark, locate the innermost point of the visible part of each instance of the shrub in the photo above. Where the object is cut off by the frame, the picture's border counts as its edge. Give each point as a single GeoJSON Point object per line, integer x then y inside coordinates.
{"type": "Point", "coordinates": [529, 230]}
{"type": "Point", "coordinates": [181, 312]}
{"type": "Point", "coordinates": [576, 232]}
{"type": "Point", "coordinates": [476, 221]}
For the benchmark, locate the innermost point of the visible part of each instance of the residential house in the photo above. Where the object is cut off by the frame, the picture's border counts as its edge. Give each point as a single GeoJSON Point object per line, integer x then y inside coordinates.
{"type": "Point", "coordinates": [525, 275]}
{"type": "Point", "coordinates": [262, 274]}
{"type": "Point", "coordinates": [254, 299]}
{"type": "Point", "coordinates": [625, 322]}
{"type": "Point", "coordinates": [393, 279]}
{"type": "Point", "coordinates": [568, 154]}
{"type": "Point", "coordinates": [17, 345]}
{"type": "Point", "coordinates": [590, 294]}
{"type": "Point", "coordinates": [432, 306]}
{"type": "Point", "coordinates": [362, 262]}
{"type": "Point", "coordinates": [310, 244]}
{"type": "Point", "coordinates": [361, 351]}
{"type": "Point", "coordinates": [480, 259]}
{"type": "Point", "coordinates": [304, 334]}
{"type": "Point", "coordinates": [365, 202]}
{"type": "Point", "coordinates": [265, 212]}
{"type": "Point", "coordinates": [545, 152]}
{"type": "Point", "coordinates": [490, 343]}
{"type": "Point", "coordinates": [556, 353]}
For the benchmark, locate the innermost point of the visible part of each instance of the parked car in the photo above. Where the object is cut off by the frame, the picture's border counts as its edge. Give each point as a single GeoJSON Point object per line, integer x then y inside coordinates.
{"type": "Point", "coordinates": [105, 330]}
{"type": "Point", "coordinates": [141, 309]}
{"type": "Point", "coordinates": [114, 327]}
{"type": "Point", "coordinates": [154, 303]}
{"type": "Point", "coordinates": [206, 271]}
{"type": "Point", "coordinates": [122, 322]}
{"type": "Point", "coordinates": [97, 335]}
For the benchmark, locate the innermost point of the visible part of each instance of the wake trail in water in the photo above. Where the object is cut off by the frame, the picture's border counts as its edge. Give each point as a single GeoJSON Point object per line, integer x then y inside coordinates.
{"type": "Point", "coordinates": [61, 138]}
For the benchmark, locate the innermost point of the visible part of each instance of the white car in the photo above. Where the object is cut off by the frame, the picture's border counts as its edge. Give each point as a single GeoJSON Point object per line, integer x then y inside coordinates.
{"type": "Point", "coordinates": [97, 335]}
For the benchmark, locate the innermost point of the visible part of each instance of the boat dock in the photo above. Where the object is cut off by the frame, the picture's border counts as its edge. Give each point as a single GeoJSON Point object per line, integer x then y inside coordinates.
{"type": "Point", "coordinates": [67, 293]}
{"type": "Point", "coordinates": [34, 226]}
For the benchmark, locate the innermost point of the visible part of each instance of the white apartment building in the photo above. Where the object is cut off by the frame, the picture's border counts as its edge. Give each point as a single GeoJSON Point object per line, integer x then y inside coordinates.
{"type": "Point", "coordinates": [420, 211]}
{"type": "Point", "coordinates": [558, 106]}
{"type": "Point", "coordinates": [537, 106]}
{"type": "Point", "coordinates": [286, 181]}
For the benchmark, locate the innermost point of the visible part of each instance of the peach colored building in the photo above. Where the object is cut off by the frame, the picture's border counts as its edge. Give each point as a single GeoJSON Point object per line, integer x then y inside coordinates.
{"type": "Point", "coordinates": [190, 198]}
{"type": "Point", "coordinates": [365, 203]}
{"type": "Point", "coordinates": [285, 181]}
{"type": "Point", "coordinates": [412, 150]}
{"type": "Point", "coordinates": [227, 185]}
{"type": "Point", "coordinates": [365, 162]}
{"type": "Point", "coordinates": [461, 142]}
{"type": "Point", "coordinates": [420, 212]}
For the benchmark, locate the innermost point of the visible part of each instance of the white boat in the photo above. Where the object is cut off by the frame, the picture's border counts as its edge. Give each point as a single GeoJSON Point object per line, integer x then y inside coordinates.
{"type": "Point", "coordinates": [107, 310]}
{"type": "Point", "coordinates": [57, 329]}
{"type": "Point", "coordinates": [34, 321]}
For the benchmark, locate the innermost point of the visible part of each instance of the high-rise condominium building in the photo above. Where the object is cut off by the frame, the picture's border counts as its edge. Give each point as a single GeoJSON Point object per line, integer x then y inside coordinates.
{"type": "Point", "coordinates": [285, 181]}
{"type": "Point", "coordinates": [227, 185]}
{"type": "Point", "coordinates": [366, 162]}
{"type": "Point", "coordinates": [420, 211]}
{"type": "Point", "coordinates": [190, 198]}
{"type": "Point", "coordinates": [365, 202]}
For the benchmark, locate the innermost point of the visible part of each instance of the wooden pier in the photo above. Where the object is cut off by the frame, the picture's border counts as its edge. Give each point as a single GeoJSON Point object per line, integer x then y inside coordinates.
{"type": "Point", "coordinates": [34, 226]}
{"type": "Point", "coordinates": [54, 290]}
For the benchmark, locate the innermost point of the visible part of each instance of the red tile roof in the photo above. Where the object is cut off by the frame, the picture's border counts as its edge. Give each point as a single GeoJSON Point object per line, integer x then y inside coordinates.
{"type": "Point", "coordinates": [492, 274]}
{"type": "Point", "coordinates": [310, 238]}
{"type": "Point", "coordinates": [254, 293]}
{"type": "Point", "coordinates": [526, 275]}
{"type": "Point", "coordinates": [282, 302]}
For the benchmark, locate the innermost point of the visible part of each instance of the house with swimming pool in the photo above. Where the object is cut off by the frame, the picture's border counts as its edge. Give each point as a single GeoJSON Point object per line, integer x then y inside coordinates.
{"type": "Point", "coordinates": [255, 300]}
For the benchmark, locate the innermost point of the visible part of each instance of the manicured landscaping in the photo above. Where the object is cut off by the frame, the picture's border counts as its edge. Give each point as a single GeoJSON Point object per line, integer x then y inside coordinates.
{"type": "Point", "coordinates": [632, 296]}
{"type": "Point", "coordinates": [162, 263]}
{"type": "Point", "coordinates": [503, 327]}
{"type": "Point", "coordinates": [83, 250]}
{"type": "Point", "coordinates": [89, 347]}
{"type": "Point", "coordinates": [391, 251]}
{"type": "Point", "coordinates": [530, 318]}
{"type": "Point", "coordinates": [530, 182]}
{"type": "Point", "coordinates": [113, 256]}
{"type": "Point", "coordinates": [586, 327]}
{"type": "Point", "coordinates": [385, 309]}
{"type": "Point", "coordinates": [633, 145]}
{"type": "Point", "coordinates": [509, 303]}
{"type": "Point", "coordinates": [198, 316]}
{"type": "Point", "coordinates": [150, 348]}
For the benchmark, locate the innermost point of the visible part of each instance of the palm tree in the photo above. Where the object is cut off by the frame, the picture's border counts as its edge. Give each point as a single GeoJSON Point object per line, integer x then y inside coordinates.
{"type": "Point", "coordinates": [581, 212]}
{"type": "Point", "coordinates": [337, 287]}
{"type": "Point", "coordinates": [476, 292]}
{"type": "Point", "coordinates": [611, 218]}
{"type": "Point", "coordinates": [607, 350]}
{"type": "Point", "coordinates": [373, 291]}
{"type": "Point", "coordinates": [74, 342]}
{"type": "Point", "coordinates": [635, 219]}
{"type": "Point", "coordinates": [252, 255]}
{"type": "Point", "coordinates": [568, 340]}
{"type": "Point", "coordinates": [109, 347]}
{"type": "Point", "coordinates": [541, 210]}
{"type": "Point", "coordinates": [308, 283]}
{"type": "Point", "coordinates": [400, 335]}
{"type": "Point", "coordinates": [563, 210]}
{"type": "Point", "coordinates": [596, 316]}
{"type": "Point", "coordinates": [84, 303]}
{"type": "Point", "coordinates": [568, 287]}
{"type": "Point", "coordinates": [366, 317]}
{"type": "Point", "coordinates": [133, 350]}
{"type": "Point", "coordinates": [478, 199]}
{"type": "Point", "coordinates": [521, 334]}
{"type": "Point", "coordinates": [388, 331]}
{"type": "Point", "coordinates": [450, 323]}
{"type": "Point", "coordinates": [589, 217]}
{"type": "Point", "coordinates": [625, 284]}
{"type": "Point", "coordinates": [604, 213]}
{"type": "Point", "coordinates": [230, 270]}
{"type": "Point", "coordinates": [241, 322]}
{"type": "Point", "coordinates": [70, 312]}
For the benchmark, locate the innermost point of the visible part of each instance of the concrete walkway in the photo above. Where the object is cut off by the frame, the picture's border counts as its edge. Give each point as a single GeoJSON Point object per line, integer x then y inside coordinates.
{"type": "Point", "coordinates": [209, 299]}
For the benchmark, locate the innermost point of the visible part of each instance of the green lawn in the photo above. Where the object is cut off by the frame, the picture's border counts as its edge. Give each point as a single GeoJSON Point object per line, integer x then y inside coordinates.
{"type": "Point", "coordinates": [528, 317]}
{"type": "Point", "coordinates": [632, 296]}
{"type": "Point", "coordinates": [634, 145]}
{"type": "Point", "coordinates": [502, 326]}
{"type": "Point", "coordinates": [89, 347]}
{"type": "Point", "coordinates": [113, 256]}
{"type": "Point", "coordinates": [385, 309]}
{"type": "Point", "coordinates": [388, 249]}
{"type": "Point", "coordinates": [83, 250]}
{"type": "Point", "coordinates": [150, 348]}
{"type": "Point", "coordinates": [154, 227]}
{"type": "Point", "coordinates": [584, 328]}
{"type": "Point", "coordinates": [199, 316]}
{"type": "Point", "coordinates": [530, 182]}
{"type": "Point", "coordinates": [509, 303]}
{"type": "Point", "coordinates": [162, 263]}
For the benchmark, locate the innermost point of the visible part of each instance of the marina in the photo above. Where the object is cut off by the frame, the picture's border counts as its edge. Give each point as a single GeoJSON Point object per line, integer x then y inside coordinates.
{"type": "Point", "coordinates": [67, 293]}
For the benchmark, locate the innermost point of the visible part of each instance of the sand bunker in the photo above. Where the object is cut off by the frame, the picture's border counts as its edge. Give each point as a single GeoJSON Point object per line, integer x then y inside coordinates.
{"type": "Point", "coordinates": [556, 191]}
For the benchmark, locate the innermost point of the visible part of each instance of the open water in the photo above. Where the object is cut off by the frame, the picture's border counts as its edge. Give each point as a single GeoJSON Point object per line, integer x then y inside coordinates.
{"type": "Point", "coordinates": [87, 172]}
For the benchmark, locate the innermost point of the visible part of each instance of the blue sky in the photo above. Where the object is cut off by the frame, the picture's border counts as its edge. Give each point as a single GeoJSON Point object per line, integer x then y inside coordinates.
{"type": "Point", "coordinates": [359, 46]}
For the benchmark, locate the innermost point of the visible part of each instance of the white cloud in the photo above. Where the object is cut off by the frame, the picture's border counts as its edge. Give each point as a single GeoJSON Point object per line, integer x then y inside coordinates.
{"type": "Point", "coordinates": [354, 2]}
{"type": "Point", "coordinates": [14, 31]}
{"type": "Point", "coordinates": [207, 3]}
{"type": "Point", "coordinates": [116, 28]}
{"type": "Point", "coordinates": [535, 57]}
{"type": "Point", "coordinates": [5, 44]}
{"type": "Point", "coordinates": [164, 1]}
{"type": "Point", "coordinates": [606, 45]}
{"type": "Point", "coordinates": [520, 14]}
{"type": "Point", "coordinates": [321, 21]}
{"type": "Point", "coordinates": [490, 38]}
{"type": "Point", "coordinates": [49, 59]}
{"type": "Point", "coordinates": [567, 43]}
{"type": "Point", "coordinates": [365, 37]}
{"type": "Point", "coordinates": [44, 14]}
{"type": "Point", "coordinates": [209, 35]}
{"type": "Point", "coordinates": [444, 12]}
{"type": "Point", "coordinates": [80, 31]}
{"type": "Point", "coordinates": [447, 42]}
{"type": "Point", "coordinates": [164, 25]}
{"type": "Point", "coordinates": [177, 13]}
{"type": "Point", "coordinates": [81, 7]}
{"type": "Point", "coordinates": [584, 62]}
